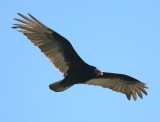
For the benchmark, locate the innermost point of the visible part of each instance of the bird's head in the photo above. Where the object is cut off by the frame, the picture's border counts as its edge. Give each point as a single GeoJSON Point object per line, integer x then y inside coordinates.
{"type": "Point", "coordinates": [97, 72]}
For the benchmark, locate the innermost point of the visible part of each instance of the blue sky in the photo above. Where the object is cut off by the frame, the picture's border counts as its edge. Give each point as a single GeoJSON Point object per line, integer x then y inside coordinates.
{"type": "Point", "coordinates": [115, 36]}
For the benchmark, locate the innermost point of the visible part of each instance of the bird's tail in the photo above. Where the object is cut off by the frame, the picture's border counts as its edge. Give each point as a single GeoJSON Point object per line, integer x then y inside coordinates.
{"type": "Point", "coordinates": [59, 86]}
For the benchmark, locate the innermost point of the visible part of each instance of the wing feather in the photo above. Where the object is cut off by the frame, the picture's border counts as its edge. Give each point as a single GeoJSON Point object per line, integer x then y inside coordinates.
{"type": "Point", "coordinates": [119, 87]}
{"type": "Point", "coordinates": [58, 49]}
{"type": "Point", "coordinates": [134, 94]}
{"type": "Point", "coordinates": [120, 83]}
{"type": "Point", "coordinates": [139, 93]}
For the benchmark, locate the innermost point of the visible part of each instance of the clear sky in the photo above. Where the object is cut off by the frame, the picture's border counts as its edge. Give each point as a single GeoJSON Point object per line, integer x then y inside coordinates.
{"type": "Point", "coordinates": [121, 36]}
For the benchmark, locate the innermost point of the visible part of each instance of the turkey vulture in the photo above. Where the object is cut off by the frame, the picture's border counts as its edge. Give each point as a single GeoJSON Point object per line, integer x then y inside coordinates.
{"type": "Point", "coordinates": [75, 71]}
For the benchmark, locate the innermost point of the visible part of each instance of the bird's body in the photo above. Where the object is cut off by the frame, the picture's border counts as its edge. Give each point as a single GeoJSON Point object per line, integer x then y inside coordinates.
{"type": "Point", "coordinates": [75, 71]}
{"type": "Point", "coordinates": [77, 76]}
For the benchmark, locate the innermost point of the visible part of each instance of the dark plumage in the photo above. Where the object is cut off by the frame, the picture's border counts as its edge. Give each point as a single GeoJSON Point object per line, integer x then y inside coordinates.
{"type": "Point", "coordinates": [61, 53]}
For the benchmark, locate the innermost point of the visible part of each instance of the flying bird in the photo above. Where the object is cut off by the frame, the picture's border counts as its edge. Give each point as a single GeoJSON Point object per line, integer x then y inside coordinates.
{"type": "Point", "coordinates": [75, 71]}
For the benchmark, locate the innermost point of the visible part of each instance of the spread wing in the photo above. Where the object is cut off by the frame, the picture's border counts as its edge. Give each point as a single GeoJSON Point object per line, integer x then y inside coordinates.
{"type": "Point", "coordinates": [54, 46]}
{"type": "Point", "coordinates": [120, 83]}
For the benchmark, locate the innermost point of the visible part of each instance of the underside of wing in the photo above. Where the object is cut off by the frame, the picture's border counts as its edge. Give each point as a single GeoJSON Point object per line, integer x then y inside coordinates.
{"type": "Point", "coordinates": [54, 46]}
{"type": "Point", "coordinates": [120, 83]}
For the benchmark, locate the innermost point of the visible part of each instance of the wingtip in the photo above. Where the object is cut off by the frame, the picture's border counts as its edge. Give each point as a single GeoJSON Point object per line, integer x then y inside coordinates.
{"type": "Point", "coordinates": [29, 14]}
{"type": "Point", "coordinates": [146, 87]}
{"type": "Point", "coordinates": [135, 99]}
{"type": "Point", "coordinates": [22, 15]}
{"type": "Point", "coordinates": [146, 93]}
{"type": "Point", "coordinates": [14, 27]}
{"type": "Point", "coordinates": [128, 97]}
{"type": "Point", "coordinates": [13, 24]}
{"type": "Point", "coordinates": [19, 14]}
{"type": "Point", "coordinates": [140, 96]}
{"type": "Point", "coordinates": [143, 90]}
